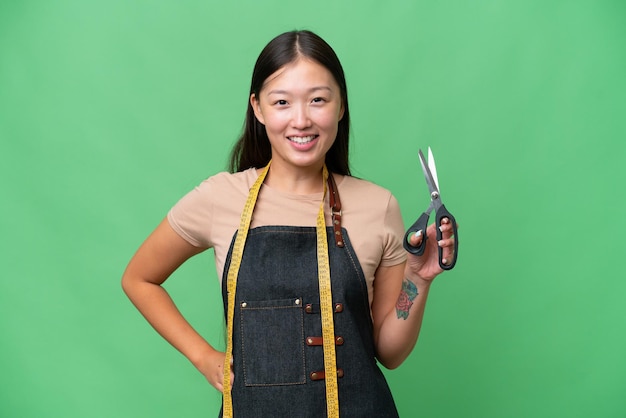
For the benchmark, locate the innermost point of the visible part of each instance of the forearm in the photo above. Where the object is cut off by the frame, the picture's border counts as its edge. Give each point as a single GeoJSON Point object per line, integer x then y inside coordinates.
{"type": "Point", "coordinates": [401, 326]}
{"type": "Point", "coordinates": [396, 330]}
{"type": "Point", "coordinates": [155, 304]}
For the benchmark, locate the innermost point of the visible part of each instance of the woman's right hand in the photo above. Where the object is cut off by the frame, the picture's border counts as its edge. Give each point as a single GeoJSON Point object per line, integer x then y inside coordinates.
{"type": "Point", "coordinates": [213, 369]}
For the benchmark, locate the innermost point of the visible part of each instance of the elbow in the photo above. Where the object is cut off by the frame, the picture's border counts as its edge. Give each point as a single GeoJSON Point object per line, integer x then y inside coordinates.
{"type": "Point", "coordinates": [126, 284]}
{"type": "Point", "coordinates": [390, 364]}
{"type": "Point", "coordinates": [392, 355]}
{"type": "Point", "coordinates": [391, 352]}
{"type": "Point", "coordinates": [393, 364]}
{"type": "Point", "coordinates": [391, 360]}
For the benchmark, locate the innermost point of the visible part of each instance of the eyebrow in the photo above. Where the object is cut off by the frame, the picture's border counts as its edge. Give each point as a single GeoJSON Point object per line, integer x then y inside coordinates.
{"type": "Point", "coordinates": [311, 90]}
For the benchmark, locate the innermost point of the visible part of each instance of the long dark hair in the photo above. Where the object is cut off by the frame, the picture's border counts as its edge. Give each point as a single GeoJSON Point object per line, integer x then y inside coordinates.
{"type": "Point", "coordinates": [253, 147]}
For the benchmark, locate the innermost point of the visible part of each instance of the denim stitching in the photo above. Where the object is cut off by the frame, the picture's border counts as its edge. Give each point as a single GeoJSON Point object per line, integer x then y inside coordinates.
{"type": "Point", "coordinates": [243, 351]}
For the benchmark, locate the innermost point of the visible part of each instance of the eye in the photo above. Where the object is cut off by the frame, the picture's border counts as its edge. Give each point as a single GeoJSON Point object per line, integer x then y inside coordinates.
{"type": "Point", "coordinates": [281, 102]}
{"type": "Point", "coordinates": [319, 100]}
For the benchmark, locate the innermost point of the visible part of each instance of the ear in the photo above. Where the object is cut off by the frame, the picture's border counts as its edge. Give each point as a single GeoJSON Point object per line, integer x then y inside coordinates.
{"type": "Point", "coordinates": [341, 110]}
{"type": "Point", "coordinates": [256, 107]}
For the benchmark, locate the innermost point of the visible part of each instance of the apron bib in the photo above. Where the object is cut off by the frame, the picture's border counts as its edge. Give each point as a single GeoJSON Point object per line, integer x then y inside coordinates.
{"type": "Point", "coordinates": [277, 329]}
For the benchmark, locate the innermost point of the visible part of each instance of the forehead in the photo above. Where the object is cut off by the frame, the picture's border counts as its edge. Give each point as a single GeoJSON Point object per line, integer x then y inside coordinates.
{"type": "Point", "coordinates": [302, 74]}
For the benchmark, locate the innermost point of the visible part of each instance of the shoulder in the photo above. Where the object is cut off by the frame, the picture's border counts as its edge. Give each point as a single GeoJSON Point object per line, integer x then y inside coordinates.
{"type": "Point", "coordinates": [242, 179]}
{"type": "Point", "coordinates": [223, 186]}
{"type": "Point", "coordinates": [358, 183]}
{"type": "Point", "coordinates": [369, 204]}
{"type": "Point", "coordinates": [224, 194]}
{"type": "Point", "coordinates": [352, 189]}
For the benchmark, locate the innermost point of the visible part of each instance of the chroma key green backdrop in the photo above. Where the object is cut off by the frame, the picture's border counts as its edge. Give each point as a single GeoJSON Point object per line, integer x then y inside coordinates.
{"type": "Point", "coordinates": [110, 111]}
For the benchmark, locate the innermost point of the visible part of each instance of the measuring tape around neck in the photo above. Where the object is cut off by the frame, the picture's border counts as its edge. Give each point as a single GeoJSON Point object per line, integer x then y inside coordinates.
{"type": "Point", "coordinates": [326, 305]}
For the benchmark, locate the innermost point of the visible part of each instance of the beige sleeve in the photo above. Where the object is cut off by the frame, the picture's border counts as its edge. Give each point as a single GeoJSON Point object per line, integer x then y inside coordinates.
{"type": "Point", "coordinates": [191, 216]}
{"type": "Point", "coordinates": [393, 253]}
{"type": "Point", "coordinates": [208, 216]}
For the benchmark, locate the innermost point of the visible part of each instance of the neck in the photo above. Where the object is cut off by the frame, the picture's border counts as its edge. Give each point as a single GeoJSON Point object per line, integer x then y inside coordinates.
{"type": "Point", "coordinates": [305, 181]}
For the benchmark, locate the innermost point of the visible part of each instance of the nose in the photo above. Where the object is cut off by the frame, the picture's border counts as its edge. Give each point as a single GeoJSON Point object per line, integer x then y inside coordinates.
{"type": "Point", "coordinates": [300, 118]}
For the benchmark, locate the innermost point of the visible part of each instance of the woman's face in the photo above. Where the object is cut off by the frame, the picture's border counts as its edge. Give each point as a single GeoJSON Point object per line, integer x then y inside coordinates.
{"type": "Point", "coordinates": [300, 106]}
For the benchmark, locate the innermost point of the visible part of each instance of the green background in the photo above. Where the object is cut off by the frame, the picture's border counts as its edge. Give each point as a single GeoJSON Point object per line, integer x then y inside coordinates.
{"type": "Point", "coordinates": [110, 111]}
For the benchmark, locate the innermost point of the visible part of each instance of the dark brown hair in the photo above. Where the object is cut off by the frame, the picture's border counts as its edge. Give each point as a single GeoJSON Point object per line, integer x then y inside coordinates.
{"type": "Point", "coordinates": [253, 147]}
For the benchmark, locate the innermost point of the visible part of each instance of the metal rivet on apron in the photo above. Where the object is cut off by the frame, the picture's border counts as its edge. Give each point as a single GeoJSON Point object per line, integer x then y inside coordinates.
{"type": "Point", "coordinates": [297, 301]}
{"type": "Point", "coordinates": [309, 341]}
{"type": "Point", "coordinates": [308, 308]}
{"type": "Point", "coordinates": [339, 340]}
{"type": "Point", "coordinates": [338, 307]}
{"type": "Point", "coordinates": [244, 304]}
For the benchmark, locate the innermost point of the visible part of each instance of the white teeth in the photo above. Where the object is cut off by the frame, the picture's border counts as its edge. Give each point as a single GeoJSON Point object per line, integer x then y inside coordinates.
{"type": "Point", "coordinates": [301, 139]}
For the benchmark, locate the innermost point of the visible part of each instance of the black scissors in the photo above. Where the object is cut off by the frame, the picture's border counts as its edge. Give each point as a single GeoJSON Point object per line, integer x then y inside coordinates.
{"type": "Point", "coordinates": [430, 173]}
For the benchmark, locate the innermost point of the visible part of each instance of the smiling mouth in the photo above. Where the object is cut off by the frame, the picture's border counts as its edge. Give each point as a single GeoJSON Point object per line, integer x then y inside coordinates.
{"type": "Point", "coordinates": [302, 139]}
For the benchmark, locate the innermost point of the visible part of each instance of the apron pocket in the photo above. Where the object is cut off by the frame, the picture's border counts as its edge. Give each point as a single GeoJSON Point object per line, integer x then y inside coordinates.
{"type": "Point", "coordinates": [272, 339]}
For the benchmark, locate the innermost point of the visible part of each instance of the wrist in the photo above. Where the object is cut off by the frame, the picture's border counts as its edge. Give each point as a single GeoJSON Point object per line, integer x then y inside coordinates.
{"type": "Point", "coordinates": [200, 355]}
{"type": "Point", "coordinates": [419, 281]}
{"type": "Point", "coordinates": [422, 285]}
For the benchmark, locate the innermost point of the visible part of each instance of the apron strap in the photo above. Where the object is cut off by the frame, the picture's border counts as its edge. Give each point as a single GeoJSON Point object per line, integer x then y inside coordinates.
{"type": "Point", "coordinates": [335, 208]}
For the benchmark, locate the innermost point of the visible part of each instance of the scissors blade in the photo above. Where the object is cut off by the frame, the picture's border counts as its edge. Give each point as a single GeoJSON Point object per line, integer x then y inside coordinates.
{"type": "Point", "coordinates": [433, 167]}
{"type": "Point", "coordinates": [432, 187]}
{"type": "Point", "coordinates": [424, 163]}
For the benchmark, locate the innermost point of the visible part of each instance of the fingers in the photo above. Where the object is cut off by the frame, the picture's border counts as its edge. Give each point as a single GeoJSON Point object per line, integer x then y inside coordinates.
{"type": "Point", "coordinates": [446, 226]}
{"type": "Point", "coordinates": [447, 243]}
{"type": "Point", "coordinates": [448, 259]}
{"type": "Point", "coordinates": [213, 369]}
{"type": "Point", "coordinates": [448, 250]}
{"type": "Point", "coordinates": [416, 239]}
{"type": "Point", "coordinates": [232, 375]}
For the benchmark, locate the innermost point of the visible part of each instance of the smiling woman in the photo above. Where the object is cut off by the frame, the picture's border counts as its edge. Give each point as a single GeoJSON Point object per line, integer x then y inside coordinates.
{"type": "Point", "coordinates": [315, 305]}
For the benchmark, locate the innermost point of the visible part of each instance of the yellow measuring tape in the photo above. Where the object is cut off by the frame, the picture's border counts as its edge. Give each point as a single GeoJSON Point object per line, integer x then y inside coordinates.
{"type": "Point", "coordinates": [326, 305]}
{"type": "Point", "coordinates": [326, 309]}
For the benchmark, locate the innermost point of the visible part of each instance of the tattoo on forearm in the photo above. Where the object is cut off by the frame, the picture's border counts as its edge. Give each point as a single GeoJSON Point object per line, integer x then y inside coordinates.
{"type": "Point", "coordinates": [405, 300]}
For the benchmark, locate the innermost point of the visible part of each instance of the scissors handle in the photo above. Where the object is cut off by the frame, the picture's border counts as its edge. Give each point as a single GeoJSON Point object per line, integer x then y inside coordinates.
{"type": "Point", "coordinates": [441, 213]}
{"type": "Point", "coordinates": [419, 225]}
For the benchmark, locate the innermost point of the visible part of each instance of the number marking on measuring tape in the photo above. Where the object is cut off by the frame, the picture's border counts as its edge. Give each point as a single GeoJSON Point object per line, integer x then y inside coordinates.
{"type": "Point", "coordinates": [233, 272]}
{"type": "Point", "coordinates": [326, 310]}
{"type": "Point", "coordinates": [328, 328]}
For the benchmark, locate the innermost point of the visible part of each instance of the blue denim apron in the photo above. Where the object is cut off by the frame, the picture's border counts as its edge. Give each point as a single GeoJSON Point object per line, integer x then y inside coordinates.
{"type": "Point", "coordinates": [277, 345]}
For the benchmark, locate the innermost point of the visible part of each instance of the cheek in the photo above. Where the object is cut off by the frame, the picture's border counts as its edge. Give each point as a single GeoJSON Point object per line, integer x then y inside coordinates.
{"type": "Point", "coordinates": [275, 121]}
{"type": "Point", "coordinates": [329, 120]}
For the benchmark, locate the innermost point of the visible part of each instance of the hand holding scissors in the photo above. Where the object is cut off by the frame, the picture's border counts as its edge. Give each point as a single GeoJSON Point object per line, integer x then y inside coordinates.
{"type": "Point", "coordinates": [430, 173]}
